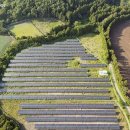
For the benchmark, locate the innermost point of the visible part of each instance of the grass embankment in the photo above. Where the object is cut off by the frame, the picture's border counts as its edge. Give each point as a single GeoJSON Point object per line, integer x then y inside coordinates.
{"type": "Point", "coordinates": [5, 41]}
{"type": "Point", "coordinates": [34, 28]}
{"type": "Point", "coordinates": [94, 44]}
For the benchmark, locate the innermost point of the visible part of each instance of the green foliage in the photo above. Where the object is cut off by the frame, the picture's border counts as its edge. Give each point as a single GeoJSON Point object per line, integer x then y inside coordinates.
{"type": "Point", "coordinates": [10, 125]}
{"type": "Point", "coordinates": [74, 64]}
{"type": "Point", "coordinates": [2, 120]}
{"type": "Point", "coordinates": [2, 29]}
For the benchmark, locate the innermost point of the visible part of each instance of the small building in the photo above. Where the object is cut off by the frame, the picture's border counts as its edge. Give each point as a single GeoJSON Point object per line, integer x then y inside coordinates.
{"type": "Point", "coordinates": [2, 5]}
{"type": "Point", "coordinates": [103, 73]}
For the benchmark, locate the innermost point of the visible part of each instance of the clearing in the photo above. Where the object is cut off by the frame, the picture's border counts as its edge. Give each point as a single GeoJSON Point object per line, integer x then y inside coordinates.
{"type": "Point", "coordinates": [34, 28]}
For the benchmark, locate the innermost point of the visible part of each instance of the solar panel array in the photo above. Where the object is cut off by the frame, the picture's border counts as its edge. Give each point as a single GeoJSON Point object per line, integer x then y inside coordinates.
{"type": "Point", "coordinates": [77, 126]}
{"type": "Point", "coordinates": [42, 73]}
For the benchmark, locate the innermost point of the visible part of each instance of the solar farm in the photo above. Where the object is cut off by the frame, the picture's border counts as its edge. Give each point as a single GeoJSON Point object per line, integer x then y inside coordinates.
{"type": "Point", "coordinates": [79, 100]}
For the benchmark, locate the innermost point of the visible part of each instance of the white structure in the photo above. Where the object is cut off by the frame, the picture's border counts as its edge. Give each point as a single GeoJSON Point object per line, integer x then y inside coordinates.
{"type": "Point", "coordinates": [2, 5]}
{"type": "Point", "coordinates": [103, 73]}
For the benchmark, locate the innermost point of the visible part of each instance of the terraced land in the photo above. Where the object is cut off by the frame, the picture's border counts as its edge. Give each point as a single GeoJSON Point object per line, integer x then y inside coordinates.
{"type": "Point", "coordinates": [50, 92]}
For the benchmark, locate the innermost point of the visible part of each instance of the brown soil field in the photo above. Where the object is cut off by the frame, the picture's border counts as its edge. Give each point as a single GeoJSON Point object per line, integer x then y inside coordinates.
{"type": "Point", "coordinates": [120, 38]}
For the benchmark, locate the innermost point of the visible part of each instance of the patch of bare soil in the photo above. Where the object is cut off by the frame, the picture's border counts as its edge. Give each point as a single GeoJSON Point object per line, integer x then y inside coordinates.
{"type": "Point", "coordinates": [120, 37]}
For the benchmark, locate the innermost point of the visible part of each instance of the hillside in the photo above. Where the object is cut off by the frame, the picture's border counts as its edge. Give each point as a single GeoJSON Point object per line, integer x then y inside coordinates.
{"type": "Point", "coordinates": [43, 67]}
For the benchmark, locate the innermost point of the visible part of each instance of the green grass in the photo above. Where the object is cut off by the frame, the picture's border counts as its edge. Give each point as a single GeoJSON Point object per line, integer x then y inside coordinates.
{"type": "Point", "coordinates": [74, 63]}
{"type": "Point", "coordinates": [4, 42]}
{"type": "Point", "coordinates": [25, 29]}
{"type": "Point", "coordinates": [125, 2]}
{"type": "Point", "coordinates": [45, 26]}
{"type": "Point", "coordinates": [93, 44]}
{"type": "Point", "coordinates": [34, 28]}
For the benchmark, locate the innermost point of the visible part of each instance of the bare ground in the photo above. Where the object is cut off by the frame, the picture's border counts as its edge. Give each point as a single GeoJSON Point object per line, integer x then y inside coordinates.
{"type": "Point", "coordinates": [120, 37]}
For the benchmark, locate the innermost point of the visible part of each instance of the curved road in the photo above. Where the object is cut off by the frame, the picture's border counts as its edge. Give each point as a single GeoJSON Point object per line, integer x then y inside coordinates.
{"type": "Point", "coordinates": [120, 38]}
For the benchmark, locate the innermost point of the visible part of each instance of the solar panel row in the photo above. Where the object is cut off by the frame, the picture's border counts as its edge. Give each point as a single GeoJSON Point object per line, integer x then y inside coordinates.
{"type": "Point", "coordinates": [93, 65]}
{"type": "Point", "coordinates": [53, 79]}
{"type": "Point", "coordinates": [52, 55]}
{"type": "Point", "coordinates": [53, 97]}
{"type": "Point", "coordinates": [72, 119]}
{"type": "Point", "coordinates": [30, 84]}
{"type": "Point", "coordinates": [37, 65]}
{"type": "Point", "coordinates": [57, 49]}
{"type": "Point", "coordinates": [47, 69]}
{"type": "Point", "coordinates": [68, 106]}
{"type": "Point", "coordinates": [104, 126]}
{"type": "Point", "coordinates": [39, 61]}
{"type": "Point", "coordinates": [39, 74]}
{"type": "Point", "coordinates": [43, 58]}
{"type": "Point", "coordinates": [68, 112]}
{"type": "Point", "coordinates": [54, 90]}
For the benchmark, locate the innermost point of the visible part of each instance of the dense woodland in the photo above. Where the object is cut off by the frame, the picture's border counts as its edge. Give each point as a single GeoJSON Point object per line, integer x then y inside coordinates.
{"type": "Point", "coordinates": [80, 16]}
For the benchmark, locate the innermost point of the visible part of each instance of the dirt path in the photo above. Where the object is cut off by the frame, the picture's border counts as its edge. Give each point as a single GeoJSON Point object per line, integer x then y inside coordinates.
{"type": "Point", "coordinates": [120, 37]}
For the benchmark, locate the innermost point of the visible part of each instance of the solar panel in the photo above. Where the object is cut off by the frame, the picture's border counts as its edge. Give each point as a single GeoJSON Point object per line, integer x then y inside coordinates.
{"type": "Point", "coordinates": [54, 90]}
{"type": "Point", "coordinates": [43, 58]}
{"type": "Point", "coordinates": [37, 65]}
{"type": "Point", "coordinates": [53, 97]}
{"type": "Point", "coordinates": [53, 79]}
{"type": "Point", "coordinates": [52, 55]}
{"type": "Point", "coordinates": [72, 119]}
{"type": "Point", "coordinates": [93, 65]}
{"type": "Point", "coordinates": [57, 49]}
{"type": "Point", "coordinates": [39, 74]}
{"type": "Point", "coordinates": [39, 61]}
{"type": "Point", "coordinates": [53, 52]}
{"type": "Point", "coordinates": [22, 84]}
{"type": "Point", "coordinates": [67, 106]}
{"type": "Point", "coordinates": [103, 126]}
{"type": "Point", "coordinates": [47, 70]}
{"type": "Point", "coordinates": [88, 58]}
{"type": "Point", "coordinates": [67, 112]}
{"type": "Point", "coordinates": [62, 46]}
